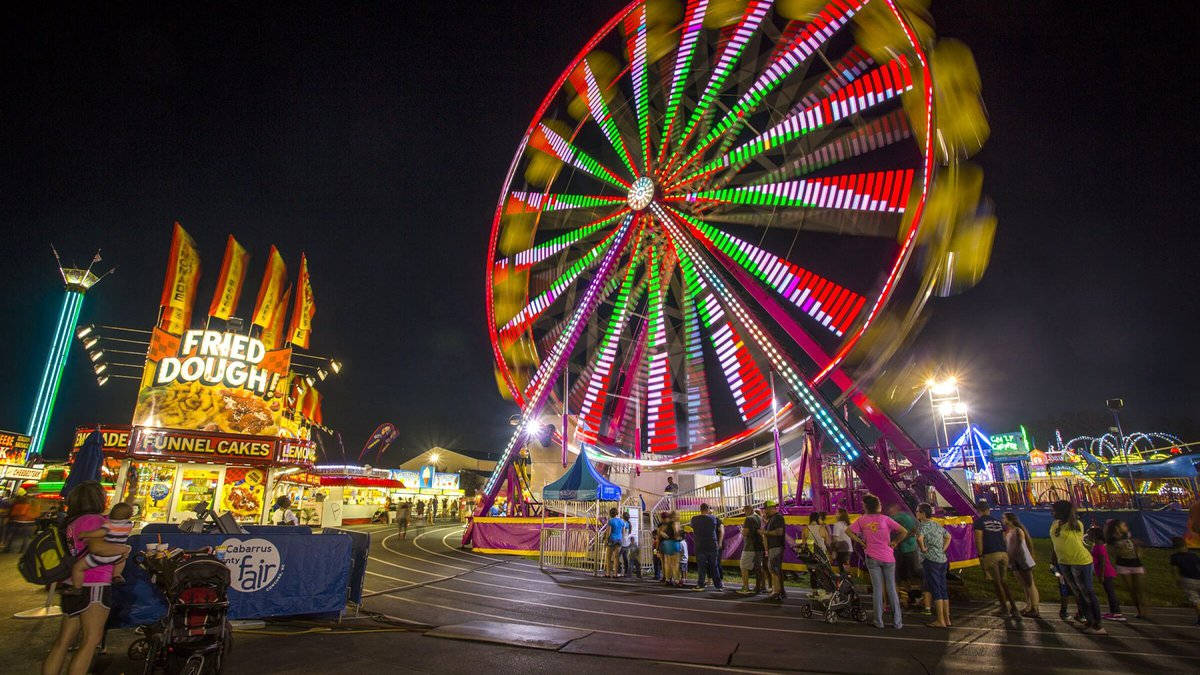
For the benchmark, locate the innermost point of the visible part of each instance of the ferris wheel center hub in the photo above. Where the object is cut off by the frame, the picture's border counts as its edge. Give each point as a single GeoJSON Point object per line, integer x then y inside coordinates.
{"type": "Point", "coordinates": [641, 193]}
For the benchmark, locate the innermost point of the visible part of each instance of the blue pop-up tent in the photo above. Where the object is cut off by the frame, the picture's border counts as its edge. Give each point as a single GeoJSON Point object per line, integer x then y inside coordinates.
{"type": "Point", "coordinates": [582, 483]}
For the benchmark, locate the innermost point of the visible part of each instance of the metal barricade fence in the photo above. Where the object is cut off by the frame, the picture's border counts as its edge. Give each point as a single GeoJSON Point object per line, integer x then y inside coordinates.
{"type": "Point", "coordinates": [572, 548]}
{"type": "Point", "coordinates": [1112, 492]}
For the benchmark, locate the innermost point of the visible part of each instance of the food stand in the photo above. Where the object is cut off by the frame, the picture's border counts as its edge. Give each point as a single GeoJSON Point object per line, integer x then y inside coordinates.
{"type": "Point", "coordinates": [169, 471]}
{"type": "Point", "coordinates": [355, 493]}
{"type": "Point", "coordinates": [222, 412]}
{"type": "Point", "coordinates": [13, 449]}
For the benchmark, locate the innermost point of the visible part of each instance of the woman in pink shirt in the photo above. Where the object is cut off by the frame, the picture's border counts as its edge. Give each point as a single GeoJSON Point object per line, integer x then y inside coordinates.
{"type": "Point", "coordinates": [87, 611]}
{"type": "Point", "coordinates": [878, 535]}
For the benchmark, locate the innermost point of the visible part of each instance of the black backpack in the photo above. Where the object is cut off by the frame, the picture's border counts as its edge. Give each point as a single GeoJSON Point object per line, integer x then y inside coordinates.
{"type": "Point", "coordinates": [48, 557]}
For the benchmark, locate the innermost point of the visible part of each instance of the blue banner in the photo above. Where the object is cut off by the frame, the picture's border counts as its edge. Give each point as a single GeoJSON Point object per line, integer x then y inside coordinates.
{"type": "Point", "coordinates": [270, 575]}
{"type": "Point", "coordinates": [360, 550]}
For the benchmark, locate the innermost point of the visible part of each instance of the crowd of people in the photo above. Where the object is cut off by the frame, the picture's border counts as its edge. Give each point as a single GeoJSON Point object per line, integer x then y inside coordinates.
{"type": "Point", "coordinates": [407, 512]}
{"type": "Point", "coordinates": [906, 559]}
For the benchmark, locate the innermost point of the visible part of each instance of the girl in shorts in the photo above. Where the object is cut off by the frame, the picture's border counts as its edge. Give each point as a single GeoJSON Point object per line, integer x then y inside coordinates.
{"type": "Point", "coordinates": [842, 546]}
{"type": "Point", "coordinates": [84, 612]}
{"type": "Point", "coordinates": [1123, 552]}
{"type": "Point", "coordinates": [1020, 557]}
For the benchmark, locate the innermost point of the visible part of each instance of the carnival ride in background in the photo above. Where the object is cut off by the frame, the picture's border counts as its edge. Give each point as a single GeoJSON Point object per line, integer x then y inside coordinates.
{"type": "Point", "coordinates": [1108, 469]}
{"type": "Point", "coordinates": [722, 220]}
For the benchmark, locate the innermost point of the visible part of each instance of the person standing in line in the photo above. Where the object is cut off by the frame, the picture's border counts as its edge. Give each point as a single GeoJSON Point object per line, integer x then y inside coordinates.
{"type": "Point", "coordinates": [402, 514]}
{"type": "Point", "coordinates": [842, 546]}
{"type": "Point", "coordinates": [908, 558]}
{"type": "Point", "coordinates": [683, 554]}
{"type": "Point", "coordinates": [752, 552]}
{"type": "Point", "coordinates": [433, 509]}
{"type": "Point", "coordinates": [616, 528]}
{"type": "Point", "coordinates": [1191, 531]}
{"type": "Point", "coordinates": [656, 543]}
{"type": "Point", "coordinates": [1066, 535]}
{"type": "Point", "coordinates": [1124, 553]}
{"type": "Point", "coordinates": [818, 537]}
{"type": "Point", "coordinates": [83, 614]}
{"type": "Point", "coordinates": [933, 542]}
{"type": "Point", "coordinates": [993, 556]}
{"type": "Point", "coordinates": [1187, 568]}
{"type": "Point", "coordinates": [708, 535]}
{"type": "Point", "coordinates": [774, 535]}
{"type": "Point", "coordinates": [627, 548]}
{"type": "Point", "coordinates": [1019, 546]}
{"type": "Point", "coordinates": [878, 535]}
{"type": "Point", "coordinates": [1104, 570]}
{"type": "Point", "coordinates": [670, 534]}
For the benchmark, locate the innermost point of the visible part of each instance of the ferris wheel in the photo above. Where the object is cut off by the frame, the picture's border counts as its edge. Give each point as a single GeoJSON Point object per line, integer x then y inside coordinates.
{"type": "Point", "coordinates": [714, 197]}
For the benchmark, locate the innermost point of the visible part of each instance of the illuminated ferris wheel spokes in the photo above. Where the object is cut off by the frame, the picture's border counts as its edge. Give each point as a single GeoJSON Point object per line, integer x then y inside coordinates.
{"type": "Point", "coordinates": [758, 125]}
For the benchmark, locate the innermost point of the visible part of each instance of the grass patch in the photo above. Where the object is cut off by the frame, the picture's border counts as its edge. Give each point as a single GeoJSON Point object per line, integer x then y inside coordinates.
{"type": "Point", "coordinates": [1159, 585]}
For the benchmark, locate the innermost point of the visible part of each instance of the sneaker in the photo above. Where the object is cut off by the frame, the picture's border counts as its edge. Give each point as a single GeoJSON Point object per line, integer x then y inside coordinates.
{"type": "Point", "coordinates": [1063, 615]}
{"type": "Point", "coordinates": [719, 588]}
{"type": "Point", "coordinates": [745, 591]}
{"type": "Point", "coordinates": [926, 611]}
{"type": "Point", "coordinates": [699, 588]}
{"type": "Point", "coordinates": [1117, 616]}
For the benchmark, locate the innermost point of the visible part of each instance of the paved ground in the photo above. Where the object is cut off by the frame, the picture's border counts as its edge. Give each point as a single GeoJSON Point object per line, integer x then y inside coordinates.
{"type": "Point", "coordinates": [427, 580]}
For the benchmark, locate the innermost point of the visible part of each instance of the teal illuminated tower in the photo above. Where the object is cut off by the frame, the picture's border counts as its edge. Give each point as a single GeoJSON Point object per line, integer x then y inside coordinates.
{"type": "Point", "coordinates": [76, 282]}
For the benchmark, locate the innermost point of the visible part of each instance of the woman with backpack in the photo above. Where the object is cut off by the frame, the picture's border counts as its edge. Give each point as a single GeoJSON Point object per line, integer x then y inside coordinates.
{"type": "Point", "coordinates": [88, 611]}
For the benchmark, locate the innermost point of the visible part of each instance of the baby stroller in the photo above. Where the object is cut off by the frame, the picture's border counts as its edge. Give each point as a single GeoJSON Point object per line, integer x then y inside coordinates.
{"type": "Point", "coordinates": [194, 637]}
{"type": "Point", "coordinates": [838, 597]}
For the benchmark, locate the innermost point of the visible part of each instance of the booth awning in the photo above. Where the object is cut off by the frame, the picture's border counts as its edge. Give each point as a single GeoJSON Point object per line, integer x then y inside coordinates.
{"type": "Point", "coordinates": [361, 481]}
{"type": "Point", "coordinates": [582, 483]}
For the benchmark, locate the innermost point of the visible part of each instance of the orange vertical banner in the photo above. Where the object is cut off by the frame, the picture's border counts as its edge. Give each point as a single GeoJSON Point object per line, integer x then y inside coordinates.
{"type": "Point", "coordinates": [229, 283]}
{"type": "Point", "coordinates": [270, 291]}
{"type": "Point", "coordinates": [179, 287]}
{"type": "Point", "coordinates": [272, 335]}
{"type": "Point", "coordinates": [304, 308]}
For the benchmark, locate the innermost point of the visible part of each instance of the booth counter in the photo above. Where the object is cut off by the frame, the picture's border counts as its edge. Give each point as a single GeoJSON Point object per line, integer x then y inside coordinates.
{"type": "Point", "coordinates": [167, 472]}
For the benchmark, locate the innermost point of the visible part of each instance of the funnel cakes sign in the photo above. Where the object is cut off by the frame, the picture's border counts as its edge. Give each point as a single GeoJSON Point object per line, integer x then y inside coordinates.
{"type": "Point", "coordinates": [208, 380]}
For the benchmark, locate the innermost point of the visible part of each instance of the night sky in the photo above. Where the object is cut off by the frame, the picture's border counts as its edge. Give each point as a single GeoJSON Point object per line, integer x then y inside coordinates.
{"type": "Point", "coordinates": [375, 137]}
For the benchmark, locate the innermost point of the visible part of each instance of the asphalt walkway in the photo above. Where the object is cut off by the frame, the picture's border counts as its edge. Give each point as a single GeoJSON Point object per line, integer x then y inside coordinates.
{"type": "Point", "coordinates": [589, 625]}
{"type": "Point", "coordinates": [429, 580]}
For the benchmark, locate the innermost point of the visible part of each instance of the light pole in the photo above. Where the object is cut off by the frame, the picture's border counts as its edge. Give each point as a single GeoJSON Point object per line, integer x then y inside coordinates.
{"type": "Point", "coordinates": [76, 282]}
{"type": "Point", "coordinates": [1114, 405]}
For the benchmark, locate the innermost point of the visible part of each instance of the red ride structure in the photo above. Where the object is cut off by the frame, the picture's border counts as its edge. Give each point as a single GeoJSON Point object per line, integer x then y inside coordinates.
{"type": "Point", "coordinates": [706, 197]}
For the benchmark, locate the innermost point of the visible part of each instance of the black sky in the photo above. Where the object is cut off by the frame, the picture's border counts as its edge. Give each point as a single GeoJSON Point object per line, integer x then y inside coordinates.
{"type": "Point", "coordinates": [374, 137]}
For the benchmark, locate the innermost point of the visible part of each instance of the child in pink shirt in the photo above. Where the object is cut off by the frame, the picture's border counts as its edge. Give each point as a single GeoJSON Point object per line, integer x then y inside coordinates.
{"type": "Point", "coordinates": [1105, 572]}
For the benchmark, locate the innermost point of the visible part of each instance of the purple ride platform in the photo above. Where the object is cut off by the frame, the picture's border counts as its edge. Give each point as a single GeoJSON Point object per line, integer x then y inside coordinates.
{"type": "Point", "coordinates": [521, 536]}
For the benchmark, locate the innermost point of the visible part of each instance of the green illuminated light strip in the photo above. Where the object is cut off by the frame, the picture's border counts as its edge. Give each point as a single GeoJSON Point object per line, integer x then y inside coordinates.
{"type": "Point", "coordinates": [539, 304]}
{"type": "Point", "coordinates": [566, 341]}
{"type": "Point", "coordinates": [57, 361]}
{"type": "Point", "coordinates": [693, 25]}
{"type": "Point", "coordinates": [813, 36]}
{"type": "Point", "coordinates": [539, 201]}
{"type": "Point", "coordinates": [599, 109]}
{"type": "Point", "coordinates": [635, 28]}
{"type": "Point", "coordinates": [590, 412]}
{"type": "Point", "coordinates": [807, 396]}
{"type": "Point", "coordinates": [753, 16]}
{"type": "Point", "coordinates": [532, 256]}
{"type": "Point", "coordinates": [44, 385]}
{"type": "Point", "coordinates": [579, 159]}
{"type": "Point", "coordinates": [873, 89]}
